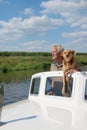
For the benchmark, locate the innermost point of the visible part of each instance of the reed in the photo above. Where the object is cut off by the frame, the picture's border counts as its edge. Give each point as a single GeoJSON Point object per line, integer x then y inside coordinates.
{"type": "Point", "coordinates": [16, 61]}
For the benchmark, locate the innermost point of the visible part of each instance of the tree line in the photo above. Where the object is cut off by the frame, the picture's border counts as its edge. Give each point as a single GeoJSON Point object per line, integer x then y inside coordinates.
{"type": "Point", "coordinates": [18, 53]}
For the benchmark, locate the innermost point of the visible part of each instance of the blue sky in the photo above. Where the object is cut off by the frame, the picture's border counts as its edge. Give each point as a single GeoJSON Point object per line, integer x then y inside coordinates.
{"type": "Point", "coordinates": [36, 25]}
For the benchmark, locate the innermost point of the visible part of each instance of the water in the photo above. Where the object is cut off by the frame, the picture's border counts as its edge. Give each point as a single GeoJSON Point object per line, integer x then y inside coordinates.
{"type": "Point", "coordinates": [16, 86]}
{"type": "Point", "coordinates": [15, 91]}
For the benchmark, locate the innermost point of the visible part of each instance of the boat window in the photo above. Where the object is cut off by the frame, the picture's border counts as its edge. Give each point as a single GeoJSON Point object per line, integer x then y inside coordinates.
{"type": "Point", "coordinates": [35, 86]}
{"type": "Point", "coordinates": [57, 90]}
{"type": "Point", "coordinates": [86, 90]}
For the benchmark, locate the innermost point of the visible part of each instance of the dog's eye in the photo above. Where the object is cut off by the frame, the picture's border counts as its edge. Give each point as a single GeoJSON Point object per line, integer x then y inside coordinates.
{"type": "Point", "coordinates": [64, 52]}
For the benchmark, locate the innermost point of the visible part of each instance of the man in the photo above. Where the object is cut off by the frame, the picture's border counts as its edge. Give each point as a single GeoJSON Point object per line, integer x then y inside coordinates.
{"type": "Point", "coordinates": [56, 64]}
{"type": "Point", "coordinates": [56, 58]}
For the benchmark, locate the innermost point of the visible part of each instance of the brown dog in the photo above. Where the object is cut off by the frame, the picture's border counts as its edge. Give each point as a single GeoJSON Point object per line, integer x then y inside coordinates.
{"type": "Point", "coordinates": [69, 67]}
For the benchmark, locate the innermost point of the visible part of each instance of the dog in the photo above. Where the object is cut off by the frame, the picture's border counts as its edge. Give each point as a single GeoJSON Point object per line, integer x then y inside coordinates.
{"type": "Point", "coordinates": [69, 67]}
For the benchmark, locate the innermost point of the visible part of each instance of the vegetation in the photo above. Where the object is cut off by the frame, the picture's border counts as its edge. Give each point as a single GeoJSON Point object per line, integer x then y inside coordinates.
{"type": "Point", "coordinates": [16, 61]}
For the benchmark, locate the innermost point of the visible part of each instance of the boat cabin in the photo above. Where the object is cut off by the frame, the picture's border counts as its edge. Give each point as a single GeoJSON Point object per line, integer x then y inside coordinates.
{"type": "Point", "coordinates": [41, 84]}
{"type": "Point", "coordinates": [69, 111]}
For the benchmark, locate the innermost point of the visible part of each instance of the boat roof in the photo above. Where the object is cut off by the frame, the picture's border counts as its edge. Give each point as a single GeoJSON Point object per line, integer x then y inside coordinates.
{"type": "Point", "coordinates": [55, 73]}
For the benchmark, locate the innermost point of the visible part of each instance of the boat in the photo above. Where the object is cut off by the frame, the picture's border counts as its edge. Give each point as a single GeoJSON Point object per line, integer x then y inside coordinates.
{"type": "Point", "coordinates": [42, 111]}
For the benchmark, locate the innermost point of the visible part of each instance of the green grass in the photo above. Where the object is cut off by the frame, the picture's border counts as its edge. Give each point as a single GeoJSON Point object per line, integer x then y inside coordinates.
{"type": "Point", "coordinates": [82, 60]}
{"type": "Point", "coordinates": [40, 61]}
{"type": "Point", "coordinates": [12, 63]}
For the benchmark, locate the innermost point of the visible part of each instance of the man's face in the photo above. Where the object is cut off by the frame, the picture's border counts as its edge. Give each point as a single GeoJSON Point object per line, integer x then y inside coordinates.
{"type": "Point", "coordinates": [54, 53]}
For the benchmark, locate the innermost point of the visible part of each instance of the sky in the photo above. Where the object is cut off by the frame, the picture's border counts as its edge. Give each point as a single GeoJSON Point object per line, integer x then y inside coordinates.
{"type": "Point", "coordinates": [37, 25]}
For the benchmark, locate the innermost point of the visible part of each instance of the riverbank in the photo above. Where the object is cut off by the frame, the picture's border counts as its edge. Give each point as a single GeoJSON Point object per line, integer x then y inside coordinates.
{"type": "Point", "coordinates": [18, 61]}
{"type": "Point", "coordinates": [24, 62]}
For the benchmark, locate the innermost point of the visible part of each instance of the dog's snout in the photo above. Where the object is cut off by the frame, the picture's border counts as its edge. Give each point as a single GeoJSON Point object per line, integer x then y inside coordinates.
{"type": "Point", "coordinates": [67, 55]}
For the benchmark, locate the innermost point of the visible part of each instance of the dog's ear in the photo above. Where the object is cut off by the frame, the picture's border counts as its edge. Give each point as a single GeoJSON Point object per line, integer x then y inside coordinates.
{"type": "Point", "coordinates": [73, 52]}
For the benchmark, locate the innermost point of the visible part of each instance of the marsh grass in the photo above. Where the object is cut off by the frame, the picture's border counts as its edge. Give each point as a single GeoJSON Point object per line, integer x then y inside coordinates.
{"type": "Point", "coordinates": [39, 61]}
{"type": "Point", "coordinates": [17, 63]}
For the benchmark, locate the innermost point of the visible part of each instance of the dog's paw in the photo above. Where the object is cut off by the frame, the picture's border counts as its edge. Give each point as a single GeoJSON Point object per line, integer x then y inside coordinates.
{"type": "Point", "coordinates": [65, 94]}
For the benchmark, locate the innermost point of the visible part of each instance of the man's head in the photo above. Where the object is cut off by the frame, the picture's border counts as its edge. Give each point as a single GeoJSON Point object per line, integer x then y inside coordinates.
{"type": "Point", "coordinates": [56, 50]}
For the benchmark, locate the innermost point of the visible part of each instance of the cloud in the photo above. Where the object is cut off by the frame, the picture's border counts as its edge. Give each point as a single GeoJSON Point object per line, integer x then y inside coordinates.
{"type": "Point", "coordinates": [76, 40]}
{"type": "Point", "coordinates": [74, 14]}
{"type": "Point", "coordinates": [75, 34]}
{"type": "Point", "coordinates": [17, 28]}
{"type": "Point", "coordinates": [82, 23]}
{"type": "Point", "coordinates": [66, 19]}
{"type": "Point", "coordinates": [58, 6]}
{"type": "Point", "coordinates": [79, 45]}
{"type": "Point", "coordinates": [72, 10]}
{"type": "Point", "coordinates": [40, 45]}
{"type": "Point", "coordinates": [27, 11]}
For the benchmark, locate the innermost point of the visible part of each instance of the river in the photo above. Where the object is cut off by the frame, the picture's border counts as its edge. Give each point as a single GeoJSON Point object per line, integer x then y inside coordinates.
{"type": "Point", "coordinates": [15, 85]}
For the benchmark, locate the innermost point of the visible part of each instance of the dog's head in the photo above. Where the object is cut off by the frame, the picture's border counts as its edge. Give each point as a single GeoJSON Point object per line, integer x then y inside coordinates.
{"type": "Point", "coordinates": [68, 55]}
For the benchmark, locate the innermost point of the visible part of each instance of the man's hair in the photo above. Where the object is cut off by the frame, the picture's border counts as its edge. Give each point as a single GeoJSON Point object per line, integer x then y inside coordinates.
{"type": "Point", "coordinates": [59, 48]}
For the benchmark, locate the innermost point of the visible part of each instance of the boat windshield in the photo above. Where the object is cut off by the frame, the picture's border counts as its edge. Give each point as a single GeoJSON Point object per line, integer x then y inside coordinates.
{"type": "Point", "coordinates": [57, 89]}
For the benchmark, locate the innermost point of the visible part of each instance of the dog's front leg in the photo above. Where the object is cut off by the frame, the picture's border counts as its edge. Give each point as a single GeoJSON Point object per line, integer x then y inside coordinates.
{"type": "Point", "coordinates": [64, 88]}
{"type": "Point", "coordinates": [64, 84]}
